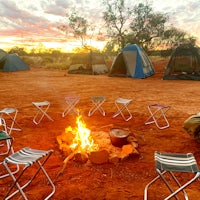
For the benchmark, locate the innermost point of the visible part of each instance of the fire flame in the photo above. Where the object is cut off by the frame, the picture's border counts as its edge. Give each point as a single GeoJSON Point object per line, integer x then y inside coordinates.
{"type": "Point", "coordinates": [81, 142]}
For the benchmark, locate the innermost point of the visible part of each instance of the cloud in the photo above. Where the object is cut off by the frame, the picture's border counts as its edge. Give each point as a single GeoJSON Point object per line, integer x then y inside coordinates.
{"type": "Point", "coordinates": [40, 21]}
{"type": "Point", "coordinates": [184, 14]}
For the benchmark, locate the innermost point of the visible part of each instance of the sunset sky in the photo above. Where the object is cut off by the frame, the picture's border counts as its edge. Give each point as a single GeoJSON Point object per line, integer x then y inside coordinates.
{"type": "Point", "coordinates": [31, 23]}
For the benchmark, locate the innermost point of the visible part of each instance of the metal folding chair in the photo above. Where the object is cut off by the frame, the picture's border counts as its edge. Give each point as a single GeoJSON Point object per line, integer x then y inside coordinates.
{"type": "Point", "coordinates": [170, 164]}
{"type": "Point", "coordinates": [71, 105]}
{"type": "Point", "coordinates": [32, 159]}
{"type": "Point", "coordinates": [97, 102]}
{"type": "Point", "coordinates": [5, 147]}
{"type": "Point", "coordinates": [157, 113]}
{"type": "Point", "coordinates": [4, 137]}
{"type": "Point", "coordinates": [122, 108]}
{"type": "Point", "coordinates": [42, 108]}
{"type": "Point", "coordinates": [10, 115]}
{"type": "Point", "coordinates": [3, 125]}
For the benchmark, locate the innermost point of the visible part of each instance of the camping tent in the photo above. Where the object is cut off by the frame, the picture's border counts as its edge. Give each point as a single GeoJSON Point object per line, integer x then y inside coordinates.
{"type": "Point", "coordinates": [11, 62]}
{"type": "Point", "coordinates": [132, 62]}
{"type": "Point", "coordinates": [88, 63]}
{"type": "Point", "coordinates": [2, 55]}
{"type": "Point", "coordinates": [184, 64]}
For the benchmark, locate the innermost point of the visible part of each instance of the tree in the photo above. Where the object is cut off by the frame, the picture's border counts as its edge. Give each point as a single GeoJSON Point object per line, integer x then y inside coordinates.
{"type": "Point", "coordinates": [116, 17]}
{"type": "Point", "coordinates": [78, 26]}
{"type": "Point", "coordinates": [146, 24]}
{"type": "Point", "coordinates": [177, 36]}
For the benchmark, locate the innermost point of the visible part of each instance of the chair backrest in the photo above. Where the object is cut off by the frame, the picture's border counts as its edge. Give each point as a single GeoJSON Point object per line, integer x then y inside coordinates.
{"type": "Point", "coordinates": [3, 124]}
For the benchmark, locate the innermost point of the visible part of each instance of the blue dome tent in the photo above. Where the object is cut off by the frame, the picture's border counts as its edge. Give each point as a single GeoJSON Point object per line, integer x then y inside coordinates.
{"type": "Point", "coordinates": [132, 62]}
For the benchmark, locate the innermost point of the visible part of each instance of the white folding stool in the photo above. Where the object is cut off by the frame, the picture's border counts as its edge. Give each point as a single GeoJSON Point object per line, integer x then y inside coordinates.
{"type": "Point", "coordinates": [97, 105]}
{"type": "Point", "coordinates": [42, 108]}
{"type": "Point", "coordinates": [11, 114]}
{"type": "Point", "coordinates": [71, 103]}
{"type": "Point", "coordinates": [122, 106]}
{"type": "Point", "coordinates": [157, 112]}
{"type": "Point", "coordinates": [27, 157]}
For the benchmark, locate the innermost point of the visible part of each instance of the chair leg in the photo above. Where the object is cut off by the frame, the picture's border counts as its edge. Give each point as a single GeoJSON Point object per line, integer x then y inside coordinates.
{"type": "Point", "coordinates": [7, 149]}
{"type": "Point", "coordinates": [165, 181]}
{"type": "Point", "coordinates": [14, 122]}
{"type": "Point", "coordinates": [120, 111]}
{"type": "Point", "coordinates": [150, 183]}
{"type": "Point", "coordinates": [157, 114]}
{"type": "Point", "coordinates": [96, 106]}
{"type": "Point", "coordinates": [182, 188]}
{"type": "Point", "coordinates": [41, 112]}
{"type": "Point", "coordinates": [12, 115]}
{"type": "Point", "coordinates": [15, 183]}
{"type": "Point", "coordinates": [34, 154]}
{"type": "Point", "coordinates": [69, 108]}
{"type": "Point", "coordinates": [71, 103]}
{"type": "Point", "coordinates": [173, 193]}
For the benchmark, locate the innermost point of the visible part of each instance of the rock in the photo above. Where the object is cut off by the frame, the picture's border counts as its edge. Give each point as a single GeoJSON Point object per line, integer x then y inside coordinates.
{"type": "Point", "coordinates": [99, 157]}
{"type": "Point", "coordinates": [113, 159]}
{"type": "Point", "coordinates": [127, 149]}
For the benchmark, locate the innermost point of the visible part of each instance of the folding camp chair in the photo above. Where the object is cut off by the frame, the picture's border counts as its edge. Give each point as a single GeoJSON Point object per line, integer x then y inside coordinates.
{"type": "Point", "coordinates": [27, 157]}
{"type": "Point", "coordinates": [5, 150]}
{"type": "Point", "coordinates": [71, 103]}
{"type": "Point", "coordinates": [3, 125]}
{"type": "Point", "coordinates": [97, 105]}
{"type": "Point", "coordinates": [10, 115]}
{"type": "Point", "coordinates": [4, 137]}
{"type": "Point", "coordinates": [157, 113]}
{"type": "Point", "coordinates": [6, 147]}
{"type": "Point", "coordinates": [122, 106]}
{"type": "Point", "coordinates": [169, 163]}
{"type": "Point", "coordinates": [42, 108]}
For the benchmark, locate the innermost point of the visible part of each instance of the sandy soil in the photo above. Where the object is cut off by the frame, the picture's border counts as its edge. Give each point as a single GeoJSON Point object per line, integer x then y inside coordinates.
{"type": "Point", "coordinates": [126, 179]}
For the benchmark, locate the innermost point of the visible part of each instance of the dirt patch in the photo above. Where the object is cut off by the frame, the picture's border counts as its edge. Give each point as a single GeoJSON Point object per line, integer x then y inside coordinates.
{"type": "Point", "coordinates": [123, 180]}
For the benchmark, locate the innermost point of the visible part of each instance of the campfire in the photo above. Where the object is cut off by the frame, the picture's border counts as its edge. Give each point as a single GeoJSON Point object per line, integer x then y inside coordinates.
{"type": "Point", "coordinates": [77, 139]}
{"type": "Point", "coordinates": [82, 145]}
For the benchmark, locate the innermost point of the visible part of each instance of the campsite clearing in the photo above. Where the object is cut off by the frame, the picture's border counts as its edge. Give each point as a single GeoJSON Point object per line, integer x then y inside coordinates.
{"type": "Point", "coordinates": [125, 179]}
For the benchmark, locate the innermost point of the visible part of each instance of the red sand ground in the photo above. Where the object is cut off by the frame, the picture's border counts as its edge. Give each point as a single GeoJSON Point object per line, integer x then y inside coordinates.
{"type": "Point", "coordinates": [126, 179]}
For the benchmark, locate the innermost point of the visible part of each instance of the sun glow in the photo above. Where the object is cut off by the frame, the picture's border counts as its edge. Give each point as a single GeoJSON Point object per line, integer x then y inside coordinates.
{"type": "Point", "coordinates": [28, 45]}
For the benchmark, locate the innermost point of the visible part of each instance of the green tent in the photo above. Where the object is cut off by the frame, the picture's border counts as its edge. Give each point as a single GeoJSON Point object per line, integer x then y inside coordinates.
{"type": "Point", "coordinates": [184, 63]}
{"type": "Point", "coordinates": [88, 63]}
{"type": "Point", "coordinates": [11, 62]}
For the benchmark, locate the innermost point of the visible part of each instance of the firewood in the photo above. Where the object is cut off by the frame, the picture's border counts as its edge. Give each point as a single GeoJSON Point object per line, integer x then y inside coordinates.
{"type": "Point", "coordinates": [69, 157]}
{"type": "Point", "coordinates": [131, 139]}
{"type": "Point", "coordinates": [81, 158]}
{"type": "Point", "coordinates": [135, 151]}
{"type": "Point", "coordinates": [99, 157]}
{"type": "Point", "coordinates": [135, 145]}
{"type": "Point", "coordinates": [123, 156]}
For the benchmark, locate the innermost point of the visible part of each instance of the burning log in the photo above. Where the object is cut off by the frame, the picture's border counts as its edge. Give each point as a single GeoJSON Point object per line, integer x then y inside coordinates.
{"type": "Point", "coordinates": [81, 158]}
